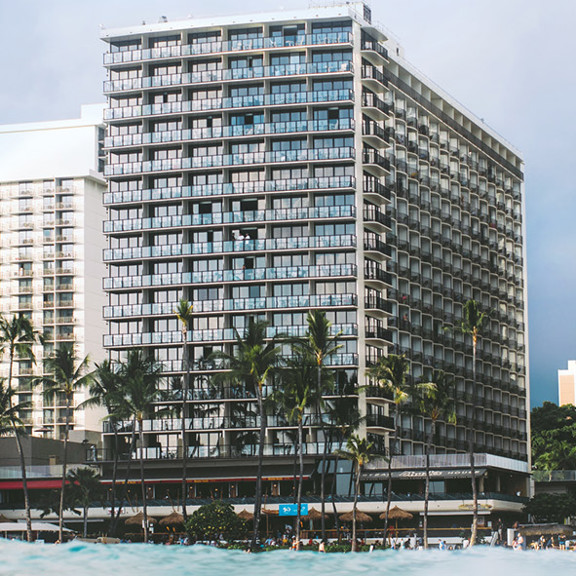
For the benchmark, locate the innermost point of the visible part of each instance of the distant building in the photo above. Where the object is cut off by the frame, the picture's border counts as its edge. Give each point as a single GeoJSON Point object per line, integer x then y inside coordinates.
{"type": "Point", "coordinates": [567, 384]}
{"type": "Point", "coordinates": [51, 243]}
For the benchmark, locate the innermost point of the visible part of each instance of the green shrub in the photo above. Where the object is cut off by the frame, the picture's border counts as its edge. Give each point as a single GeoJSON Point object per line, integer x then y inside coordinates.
{"type": "Point", "coordinates": [213, 520]}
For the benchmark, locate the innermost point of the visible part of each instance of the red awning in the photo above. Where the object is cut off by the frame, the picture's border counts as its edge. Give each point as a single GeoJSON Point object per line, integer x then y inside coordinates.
{"type": "Point", "coordinates": [32, 484]}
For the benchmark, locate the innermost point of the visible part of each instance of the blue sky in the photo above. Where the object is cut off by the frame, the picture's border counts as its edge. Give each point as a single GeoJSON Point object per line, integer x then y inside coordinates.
{"type": "Point", "coordinates": [510, 62]}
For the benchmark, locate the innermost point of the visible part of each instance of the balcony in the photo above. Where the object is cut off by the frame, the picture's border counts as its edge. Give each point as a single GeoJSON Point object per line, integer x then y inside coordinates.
{"type": "Point", "coordinates": [219, 46]}
{"type": "Point", "coordinates": [375, 162]}
{"type": "Point", "coordinates": [373, 78]}
{"type": "Point", "coordinates": [373, 215]}
{"type": "Point", "coordinates": [219, 276]}
{"type": "Point", "coordinates": [376, 422]}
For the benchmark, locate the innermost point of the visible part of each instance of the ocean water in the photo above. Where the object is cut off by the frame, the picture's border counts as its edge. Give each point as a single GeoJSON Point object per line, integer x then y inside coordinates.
{"type": "Point", "coordinates": [79, 559]}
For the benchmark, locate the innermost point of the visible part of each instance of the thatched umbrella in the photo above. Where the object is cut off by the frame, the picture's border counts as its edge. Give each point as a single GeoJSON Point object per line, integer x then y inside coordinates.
{"type": "Point", "coordinates": [4, 519]}
{"type": "Point", "coordinates": [360, 517]}
{"type": "Point", "coordinates": [397, 514]}
{"type": "Point", "coordinates": [313, 514]}
{"type": "Point", "coordinates": [137, 520]}
{"type": "Point", "coordinates": [544, 529]}
{"type": "Point", "coordinates": [270, 512]}
{"type": "Point", "coordinates": [245, 515]}
{"type": "Point", "coordinates": [174, 519]}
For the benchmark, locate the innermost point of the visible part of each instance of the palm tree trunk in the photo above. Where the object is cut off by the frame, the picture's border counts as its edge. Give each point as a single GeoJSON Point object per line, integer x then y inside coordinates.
{"type": "Point", "coordinates": [64, 466]}
{"type": "Point", "coordinates": [258, 493]}
{"type": "Point", "coordinates": [126, 477]}
{"type": "Point", "coordinates": [112, 526]}
{"type": "Point", "coordinates": [185, 388]}
{"type": "Point", "coordinates": [427, 488]}
{"type": "Point", "coordinates": [300, 478]}
{"type": "Point", "coordinates": [144, 507]}
{"type": "Point", "coordinates": [324, 458]}
{"type": "Point", "coordinates": [356, 493]}
{"type": "Point", "coordinates": [471, 447]}
{"type": "Point", "coordinates": [393, 448]}
{"type": "Point", "coordinates": [24, 484]}
{"type": "Point", "coordinates": [85, 530]}
{"type": "Point", "coordinates": [333, 492]}
{"type": "Point", "coordinates": [21, 455]}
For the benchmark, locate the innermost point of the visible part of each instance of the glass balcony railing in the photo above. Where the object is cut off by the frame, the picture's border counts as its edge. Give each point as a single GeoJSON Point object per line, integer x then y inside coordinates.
{"type": "Point", "coordinates": [219, 46]}
{"type": "Point", "coordinates": [231, 131]}
{"type": "Point", "coordinates": [234, 304]}
{"type": "Point", "coordinates": [280, 185]}
{"type": "Point", "coordinates": [304, 97]}
{"type": "Point", "coordinates": [223, 75]}
{"type": "Point", "coordinates": [247, 158]}
{"type": "Point", "coordinates": [219, 276]}
{"type": "Point", "coordinates": [239, 217]}
{"type": "Point", "coordinates": [216, 335]}
{"type": "Point", "coordinates": [236, 246]}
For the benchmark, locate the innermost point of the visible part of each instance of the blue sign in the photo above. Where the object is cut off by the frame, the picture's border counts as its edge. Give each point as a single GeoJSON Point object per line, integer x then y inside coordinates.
{"type": "Point", "coordinates": [292, 510]}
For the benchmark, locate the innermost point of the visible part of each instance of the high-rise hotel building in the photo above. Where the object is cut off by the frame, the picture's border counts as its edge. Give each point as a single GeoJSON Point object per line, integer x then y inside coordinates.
{"type": "Point", "coordinates": [51, 213]}
{"type": "Point", "coordinates": [263, 165]}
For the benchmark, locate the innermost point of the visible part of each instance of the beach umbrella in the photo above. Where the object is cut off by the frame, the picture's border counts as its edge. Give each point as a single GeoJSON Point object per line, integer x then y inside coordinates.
{"type": "Point", "coordinates": [270, 512]}
{"type": "Point", "coordinates": [174, 519]}
{"type": "Point", "coordinates": [360, 517]}
{"type": "Point", "coordinates": [397, 514]}
{"type": "Point", "coordinates": [137, 520]}
{"type": "Point", "coordinates": [245, 515]}
{"type": "Point", "coordinates": [313, 514]}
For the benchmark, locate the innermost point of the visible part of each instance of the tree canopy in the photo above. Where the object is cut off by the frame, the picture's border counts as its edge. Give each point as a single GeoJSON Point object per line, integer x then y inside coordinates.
{"type": "Point", "coordinates": [554, 437]}
{"type": "Point", "coordinates": [214, 520]}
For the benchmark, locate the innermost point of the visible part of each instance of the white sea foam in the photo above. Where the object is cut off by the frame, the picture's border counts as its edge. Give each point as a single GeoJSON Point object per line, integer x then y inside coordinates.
{"type": "Point", "coordinates": [79, 559]}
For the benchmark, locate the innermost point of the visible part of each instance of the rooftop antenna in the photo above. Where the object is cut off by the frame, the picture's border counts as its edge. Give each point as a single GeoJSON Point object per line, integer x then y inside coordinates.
{"type": "Point", "coordinates": [163, 19]}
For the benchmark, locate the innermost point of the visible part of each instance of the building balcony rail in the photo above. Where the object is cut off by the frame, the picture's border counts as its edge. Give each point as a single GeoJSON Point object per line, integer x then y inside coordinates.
{"type": "Point", "coordinates": [373, 273]}
{"type": "Point", "coordinates": [218, 276]}
{"type": "Point", "coordinates": [207, 104]}
{"type": "Point", "coordinates": [375, 302]}
{"type": "Point", "coordinates": [254, 187]}
{"type": "Point", "coordinates": [371, 156]}
{"type": "Point", "coordinates": [372, 129]}
{"type": "Point", "coordinates": [377, 392]}
{"type": "Point", "coordinates": [234, 304]}
{"type": "Point", "coordinates": [235, 246]}
{"type": "Point", "coordinates": [374, 244]}
{"type": "Point", "coordinates": [215, 335]}
{"type": "Point", "coordinates": [218, 132]}
{"type": "Point", "coordinates": [213, 451]}
{"type": "Point", "coordinates": [372, 213]}
{"type": "Point", "coordinates": [379, 421]}
{"type": "Point", "coordinates": [224, 75]}
{"type": "Point", "coordinates": [374, 46]}
{"type": "Point", "coordinates": [220, 160]}
{"type": "Point", "coordinates": [370, 100]}
{"type": "Point", "coordinates": [238, 217]}
{"type": "Point", "coordinates": [222, 46]}
{"type": "Point", "coordinates": [378, 333]}
{"type": "Point", "coordinates": [372, 73]}
{"type": "Point", "coordinates": [373, 186]}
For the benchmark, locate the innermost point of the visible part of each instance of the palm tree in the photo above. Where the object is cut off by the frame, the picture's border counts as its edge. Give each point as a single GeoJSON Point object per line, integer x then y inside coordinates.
{"type": "Point", "coordinates": [436, 403]}
{"type": "Point", "coordinates": [253, 363]}
{"type": "Point", "coordinates": [9, 412]}
{"type": "Point", "coordinates": [17, 338]}
{"type": "Point", "coordinates": [321, 345]}
{"type": "Point", "coordinates": [472, 324]}
{"type": "Point", "coordinates": [140, 376]}
{"type": "Point", "coordinates": [66, 374]}
{"type": "Point", "coordinates": [106, 390]}
{"type": "Point", "coordinates": [360, 452]}
{"type": "Point", "coordinates": [184, 315]}
{"type": "Point", "coordinates": [344, 419]}
{"type": "Point", "coordinates": [391, 372]}
{"type": "Point", "coordinates": [296, 394]}
{"type": "Point", "coordinates": [85, 487]}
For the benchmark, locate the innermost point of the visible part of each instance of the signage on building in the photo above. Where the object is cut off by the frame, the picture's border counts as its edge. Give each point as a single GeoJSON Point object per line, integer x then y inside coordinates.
{"type": "Point", "coordinates": [292, 510]}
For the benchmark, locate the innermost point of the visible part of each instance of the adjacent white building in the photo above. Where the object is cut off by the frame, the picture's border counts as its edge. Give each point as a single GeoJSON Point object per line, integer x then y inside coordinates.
{"type": "Point", "coordinates": [51, 243]}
